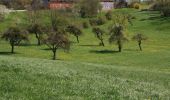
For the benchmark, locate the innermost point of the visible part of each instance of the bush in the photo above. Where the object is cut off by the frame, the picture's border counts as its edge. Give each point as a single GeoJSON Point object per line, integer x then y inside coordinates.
{"type": "Point", "coordinates": [163, 7]}
{"type": "Point", "coordinates": [97, 21]}
{"type": "Point", "coordinates": [135, 5]}
{"type": "Point", "coordinates": [109, 15]}
{"type": "Point", "coordinates": [85, 24]}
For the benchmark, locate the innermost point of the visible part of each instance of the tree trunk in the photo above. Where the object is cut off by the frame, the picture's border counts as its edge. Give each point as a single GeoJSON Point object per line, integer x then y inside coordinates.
{"type": "Point", "coordinates": [54, 54]}
{"type": "Point", "coordinates": [140, 47]}
{"type": "Point", "coordinates": [102, 42]}
{"type": "Point", "coordinates": [119, 46]}
{"type": "Point", "coordinates": [39, 42]}
{"type": "Point", "coordinates": [77, 39]}
{"type": "Point", "coordinates": [38, 39]}
{"type": "Point", "coordinates": [12, 48]}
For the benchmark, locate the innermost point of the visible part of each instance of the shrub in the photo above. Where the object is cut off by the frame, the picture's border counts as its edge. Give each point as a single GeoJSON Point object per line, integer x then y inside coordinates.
{"type": "Point", "coordinates": [85, 24]}
{"type": "Point", "coordinates": [135, 5]}
{"type": "Point", "coordinates": [163, 7]}
{"type": "Point", "coordinates": [109, 15]}
{"type": "Point", "coordinates": [97, 21]}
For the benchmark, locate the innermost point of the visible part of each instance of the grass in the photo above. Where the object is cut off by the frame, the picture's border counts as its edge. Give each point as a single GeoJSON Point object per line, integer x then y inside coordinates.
{"type": "Point", "coordinates": [89, 71]}
{"type": "Point", "coordinates": [38, 79]}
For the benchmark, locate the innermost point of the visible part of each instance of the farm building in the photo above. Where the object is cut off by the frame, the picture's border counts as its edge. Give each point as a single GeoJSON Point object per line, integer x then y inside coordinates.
{"type": "Point", "coordinates": [61, 4]}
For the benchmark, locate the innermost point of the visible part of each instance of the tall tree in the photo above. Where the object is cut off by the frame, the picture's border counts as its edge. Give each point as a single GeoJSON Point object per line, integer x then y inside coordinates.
{"type": "Point", "coordinates": [14, 35]}
{"type": "Point", "coordinates": [139, 38]}
{"type": "Point", "coordinates": [99, 34]}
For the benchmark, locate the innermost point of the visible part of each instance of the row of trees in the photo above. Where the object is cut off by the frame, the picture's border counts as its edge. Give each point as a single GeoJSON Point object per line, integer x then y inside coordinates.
{"type": "Point", "coordinates": [117, 33]}
{"type": "Point", "coordinates": [55, 36]}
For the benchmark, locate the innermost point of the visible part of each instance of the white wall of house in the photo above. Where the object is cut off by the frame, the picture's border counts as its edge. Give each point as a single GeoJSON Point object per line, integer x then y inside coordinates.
{"type": "Point", "coordinates": [107, 5]}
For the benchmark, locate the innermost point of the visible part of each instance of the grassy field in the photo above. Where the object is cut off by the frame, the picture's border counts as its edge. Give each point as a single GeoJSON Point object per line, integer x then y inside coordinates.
{"type": "Point", "coordinates": [89, 71]}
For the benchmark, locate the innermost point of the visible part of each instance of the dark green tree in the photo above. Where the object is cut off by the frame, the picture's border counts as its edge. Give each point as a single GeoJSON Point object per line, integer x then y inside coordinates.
{"type": "Point", "coordinates": [38, 30]}
{"type": "Point", "coordinates": [72, 29]}
{"type": "Point", "coordinates": [15, 35]}
{"type": "Point", "coordinates": [56, 40]}
{"type": "Point", "coordinates": [99, 34]}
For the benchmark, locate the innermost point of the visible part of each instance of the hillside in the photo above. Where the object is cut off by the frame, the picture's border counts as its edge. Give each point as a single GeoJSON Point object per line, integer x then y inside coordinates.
{"type": "Point", "coordinates": [89, 71]}
{"type": "Point", "coordinates": [38, 79]}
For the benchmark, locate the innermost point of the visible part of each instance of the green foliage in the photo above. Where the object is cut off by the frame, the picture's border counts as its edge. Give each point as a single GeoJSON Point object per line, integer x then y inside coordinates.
{"type": "Point", "coordinates": [97, 21]}
{"type": "Point", "coordinates": [38, 30]}
{"type": "Point", "coordinates": [56, 40]}
{"type": "Point", "coordinates": [163, 6]}
{"type": "Point", "coordinates": [58, 22]}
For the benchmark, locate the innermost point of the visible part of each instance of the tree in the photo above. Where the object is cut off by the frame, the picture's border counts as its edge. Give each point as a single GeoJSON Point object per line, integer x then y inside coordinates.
{"type": "Point", "coordinates": [163, 6]}
{"type": "Point", "coordinates": [99, 34]}
{"type": "Point", "coordinates": [57, 37]}
{"type": "Point", "coordinates": [117, 36]}
{"type": "Point", "coordinates": [75, 31]}
{"type": "Point", "coordinates": [57, 40]}
{"type": "Point", "coordinates": [89, 8]}
{"type": "Point", "coordinates": [38, 30]}
{"type": "Point", "coordinates": [139, 38]}
{"type": "Point", "coordinates": [15, 35]}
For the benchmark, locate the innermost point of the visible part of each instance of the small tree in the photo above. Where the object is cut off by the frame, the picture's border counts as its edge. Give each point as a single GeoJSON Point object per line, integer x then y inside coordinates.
{"type": "Point", "coordinates": [139, 38]}
{"type": "Point", "coordinates": [75, 31]}
{"type": "Point", "coordinates": [38, 30]}
{"type": "Point", "coordinates": [57, 40]}
{"type": "Point", "coordinates": [117, 36]}
{"type": "Point", "coordinates": [14, 35]}
{"type": "Point", "coordinates": [99, 34]}
{"type": "Point", "coordinates": [109, 15]}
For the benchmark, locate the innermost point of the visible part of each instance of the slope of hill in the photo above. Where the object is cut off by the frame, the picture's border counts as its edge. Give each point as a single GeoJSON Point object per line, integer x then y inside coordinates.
{"type": "Point", "coordinates": [39, 79]}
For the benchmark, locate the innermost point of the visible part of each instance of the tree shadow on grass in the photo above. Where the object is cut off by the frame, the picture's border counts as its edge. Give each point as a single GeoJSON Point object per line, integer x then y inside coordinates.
{"type": "Point", "coordinates": [90, 45]}
{"type": "Point", "coordinates": [23, 44]}
{"type": "Point", "coordinates": [131, 50]}
{"type": "Point", "coordinates": [104, 51]}
{"type": "Point", "coordinates": [46, 49]}
{"type": "Point", "coordinates": [7, 53]}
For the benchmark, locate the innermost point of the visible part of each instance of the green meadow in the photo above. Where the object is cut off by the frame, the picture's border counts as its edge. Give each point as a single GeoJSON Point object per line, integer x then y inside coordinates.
{"type": "Point", "coordinates": [89, 71]}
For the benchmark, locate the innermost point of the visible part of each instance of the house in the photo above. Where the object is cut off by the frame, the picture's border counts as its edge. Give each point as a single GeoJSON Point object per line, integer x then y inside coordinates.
{"type": "Point", "coordinates": [62, 4]}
